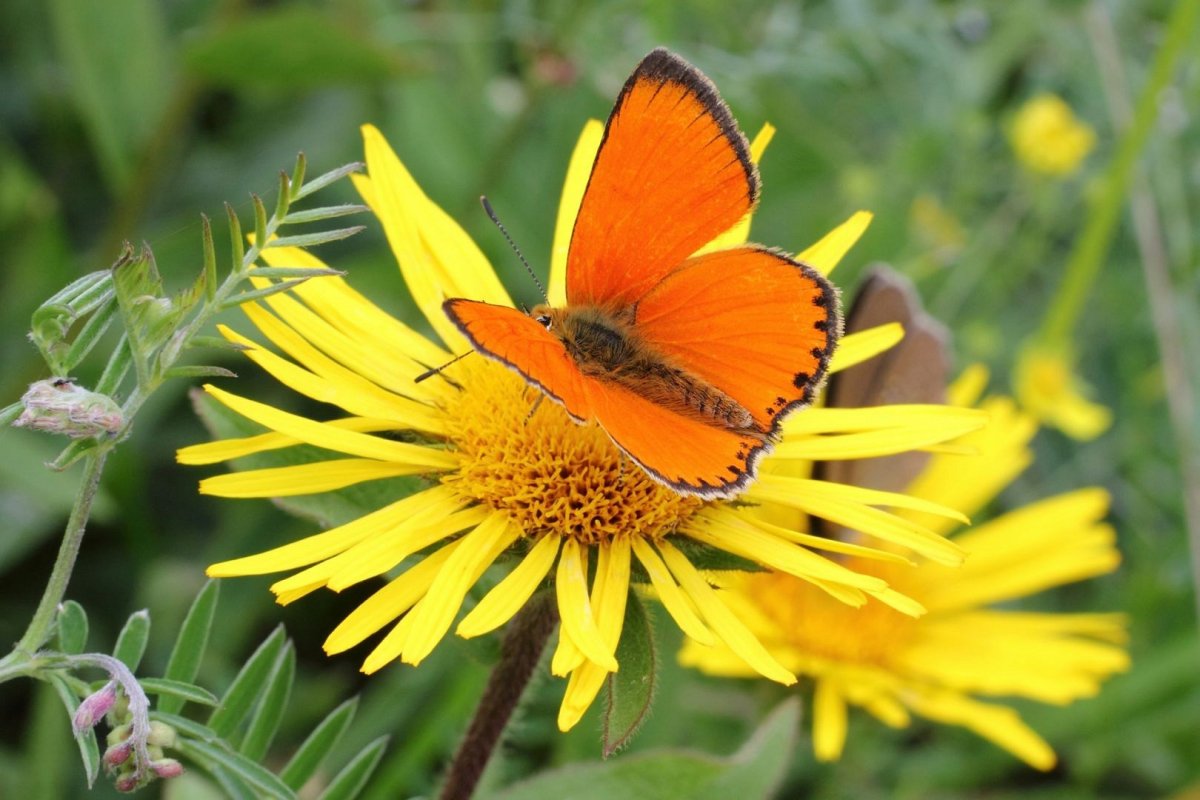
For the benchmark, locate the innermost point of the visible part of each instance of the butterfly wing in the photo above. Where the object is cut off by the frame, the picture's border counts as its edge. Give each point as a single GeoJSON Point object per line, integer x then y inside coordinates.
{"type": "Point", "coordinates": [750, 321]}
{"type": "Point", "coordinates": [683, 452]}
{"type": "Point", "coordinates": [523, 345]}
{"type": "Point", "coordinates": [673, 171]}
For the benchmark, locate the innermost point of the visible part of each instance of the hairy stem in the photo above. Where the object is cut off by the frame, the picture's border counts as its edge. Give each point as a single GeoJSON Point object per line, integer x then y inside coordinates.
{"type": "Point", "coordinates": [43, 619]}
{"type": "Point", "coordinates": [522, 648]}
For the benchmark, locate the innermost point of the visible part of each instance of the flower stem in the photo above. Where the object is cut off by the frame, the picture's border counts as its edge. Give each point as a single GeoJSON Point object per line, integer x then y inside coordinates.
{"type": "Point", "coordinates": [43, 619]}
{"type": "Point", "coordinates": [519, 654]}
{"type": "Point", "coordinates": [1088, 255]}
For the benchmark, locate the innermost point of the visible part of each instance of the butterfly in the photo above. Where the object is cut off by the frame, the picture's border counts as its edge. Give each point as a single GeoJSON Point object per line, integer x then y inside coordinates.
{"type": "Point", "coordinates": [688, 362]}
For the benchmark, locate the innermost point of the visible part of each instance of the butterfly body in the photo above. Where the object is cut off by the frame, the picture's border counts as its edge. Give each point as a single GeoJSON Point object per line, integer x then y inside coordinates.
{"type": "Point", "coordinates": [690, 360]}
{"type": "Point", "coordinates": [605, 345]}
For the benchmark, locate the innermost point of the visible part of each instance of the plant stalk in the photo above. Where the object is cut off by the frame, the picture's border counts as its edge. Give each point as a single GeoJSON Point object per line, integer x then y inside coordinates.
{"type": "Point", "coordinates": [43, 619]}
{"type": "Point", "coordinates": [527, 635]}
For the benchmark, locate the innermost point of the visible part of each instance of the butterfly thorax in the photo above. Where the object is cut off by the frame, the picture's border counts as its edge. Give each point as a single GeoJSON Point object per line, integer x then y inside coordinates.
{"type": "Point", "coordinates": [605, 345]}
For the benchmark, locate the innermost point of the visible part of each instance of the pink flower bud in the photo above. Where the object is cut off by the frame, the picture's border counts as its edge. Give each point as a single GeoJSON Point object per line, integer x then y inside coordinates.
{"type": "Point", "coordinates": [127, 783]}
{"type": "Point", "coordinates": [57, 405]}
{"type": "Point", "coordinates": [118, 754]}
{"type": "Point", "coordinates": [94, 707]}
{"type": "Point", "coordinates": [167, 768]}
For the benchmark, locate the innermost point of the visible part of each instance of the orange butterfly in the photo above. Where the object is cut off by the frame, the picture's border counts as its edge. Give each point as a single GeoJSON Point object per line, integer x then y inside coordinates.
{"type": "Point", "coordinates": [688, 362]}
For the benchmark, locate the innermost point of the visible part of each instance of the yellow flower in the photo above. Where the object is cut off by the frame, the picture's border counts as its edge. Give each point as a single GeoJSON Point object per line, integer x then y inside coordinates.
{"type": "Point", "coordinates": [938, 666]}
{"type": "Point", "coordinates": [505, 475]}
{"type": "Point", "coordinates": [1048, 138]}
{"type": "Point", "coordinates": [1047, 387]}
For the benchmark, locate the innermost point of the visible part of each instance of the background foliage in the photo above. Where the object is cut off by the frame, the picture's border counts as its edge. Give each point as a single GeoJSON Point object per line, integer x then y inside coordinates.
{"type": "Point", "coordinates": [124, 119]}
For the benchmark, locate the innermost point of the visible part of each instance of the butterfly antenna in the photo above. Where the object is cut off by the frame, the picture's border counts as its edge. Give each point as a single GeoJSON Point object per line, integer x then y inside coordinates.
{"type": "Point", "coordinates": [487, 207]}
{"type": "Point", "coordinates": [429, 373]}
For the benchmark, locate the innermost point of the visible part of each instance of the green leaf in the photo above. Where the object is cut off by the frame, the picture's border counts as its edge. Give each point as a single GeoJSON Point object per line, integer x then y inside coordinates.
{"type": "Point", "coordinates": [707, 557]}
{"type": "Point", "coordinates": [72, 628]}
{"type": "Point", "coordinates": [95, 327]}
{"type": "Point", "coordinates": [753, 772]}
{"type": "Point", "coordinates": [131, 642]}
{"type": "Point", "coordinates": [216, 343]}
{"type": "Point", "coordinates": [199, 371]}
{"type": "Point", "coordinates": [307, 759]}
{"type": "Point", "coordinates": [631, 688]}
{"type": "Point", "coordinates": [89, 749]}
{"type": "Point", "coordinates": [118, 68]}
{"type": "Point", "coordinates": [72, 453]}
{"type": "Point", "coordinates": [313, 239]}
{"type": "Point", "coordinates": [293, 272]}
{"type": "Point", "coordinates": [218, 755]}
{"type": "Point", "coordinates": [323, 213]}
{"type": "Point", "coordinates": [187, 691]}
{"type": "Point", "coordinates": [265, 722]}
{"type": "Point", "coordinates": [189, 648]}
{"type": "Point", "coordinates": [350, 781]}
{"type": "Point", "coordinates": [321, 181]}
{"type": "Point", "coordinates": [248, 686]}
{"type": "Point", "coordinates": [288, 48]}
{"type": "Point", "coordinates": [258, 294]}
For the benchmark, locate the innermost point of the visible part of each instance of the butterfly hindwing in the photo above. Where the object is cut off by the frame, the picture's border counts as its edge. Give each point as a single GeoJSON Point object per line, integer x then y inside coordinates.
{"type": "Point", "coordinates": [751, 322]}
{"type": "Point", "coordinates": [524, 345]}
{"type": "Point", "coordinates": [673, 171]}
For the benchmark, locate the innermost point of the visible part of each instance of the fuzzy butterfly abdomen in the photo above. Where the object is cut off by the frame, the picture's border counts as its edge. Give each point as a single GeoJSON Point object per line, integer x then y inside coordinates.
{"type": "Point", "coordinates": [605, 346]}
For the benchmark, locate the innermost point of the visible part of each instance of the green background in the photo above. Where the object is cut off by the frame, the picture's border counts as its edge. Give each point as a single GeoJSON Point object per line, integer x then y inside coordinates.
{"type": "Point", "coordinates": [125, 119]}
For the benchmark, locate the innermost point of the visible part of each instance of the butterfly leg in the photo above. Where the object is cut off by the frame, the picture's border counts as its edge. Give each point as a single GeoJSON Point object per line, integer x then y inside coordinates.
{"type": "Point", "coordinates": [537, 403]}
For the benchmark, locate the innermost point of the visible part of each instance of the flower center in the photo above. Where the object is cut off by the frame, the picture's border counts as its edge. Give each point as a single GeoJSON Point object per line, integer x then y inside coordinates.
{"type": "Point", "coordinates": [522, 454]}
{"type": "Point", "coordinates": [803, 618]}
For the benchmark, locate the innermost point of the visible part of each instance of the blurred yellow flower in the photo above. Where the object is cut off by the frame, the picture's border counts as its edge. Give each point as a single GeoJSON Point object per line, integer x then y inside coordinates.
{"type": "Point", "coordinates": [1047, 387]}
{"type": "Point", "coordinates": [938, 665]}
{"type": "Point", "coordinates": [505, 474]}
{"type": "Point", "coordinates": [1048, 138]}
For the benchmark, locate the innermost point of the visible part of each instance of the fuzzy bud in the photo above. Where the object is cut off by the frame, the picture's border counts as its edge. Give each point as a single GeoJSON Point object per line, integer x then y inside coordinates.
{"type": "Point", "coordinates": [94, 707]}
{"type": "Point", "coordinates": [58, 405]}
{"type": "Point", "coordinates": [161, 734]}
{"type": "Point", "coordinates": [118, 754]}
{"type": "Point", "coordinates": [128, 783]}
{"type": "Point", "coordinates": [167, 768]}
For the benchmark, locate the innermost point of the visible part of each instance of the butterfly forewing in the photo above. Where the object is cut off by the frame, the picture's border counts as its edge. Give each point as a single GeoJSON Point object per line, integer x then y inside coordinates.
{"type": "Point", "coordinates": [673, 171]}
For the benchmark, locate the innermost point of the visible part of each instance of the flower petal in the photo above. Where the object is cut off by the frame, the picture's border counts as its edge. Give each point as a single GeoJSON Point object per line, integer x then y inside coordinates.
{"type": "Point", "coordinates": [575, 607]}
{"type": "Point", "coordinates": [579, 170]}
{"type": "Point", "coordinates": [829, 721]}
{"type": "Point", "coordinates": [825, 254]}
{"type": "Point", "coordinates": [508, 596]}
{"type": "Point", "coordinates": [857, 347]}
{"type": "Point", "coordinates": [320, 476]}
{"type": "Point", "coordinates": [669, 594]}
{"type": "Point", "coordinates": [228, 449]}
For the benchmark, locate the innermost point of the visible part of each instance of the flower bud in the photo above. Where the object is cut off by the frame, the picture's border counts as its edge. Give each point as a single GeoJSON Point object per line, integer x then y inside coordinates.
{"type": "Point", "coordinates": [127, 783]}
{"type": "Point", "coordinates": [167, 768]}
{"type": "Point", "coordinates": [161, 734]}
{"type": "Point", "coordinates": [118, 754]}
{"type": "Point", "coordinates": [94, 707]}
{"type": "Point", "coordinates": [57, 405]}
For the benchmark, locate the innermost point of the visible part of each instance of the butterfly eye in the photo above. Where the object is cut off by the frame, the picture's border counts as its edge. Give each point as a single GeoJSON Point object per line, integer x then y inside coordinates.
{"type": "Point", "coordinates": [543, 320]}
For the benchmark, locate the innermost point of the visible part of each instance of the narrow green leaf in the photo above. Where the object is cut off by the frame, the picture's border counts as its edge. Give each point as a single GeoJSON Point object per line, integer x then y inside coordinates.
{"type": "Point", "coordinates": [321, 181]}
{"type": "Point", "coordinates": [77, 293]}
{"type": "Point", "coordinates": [298, 175]}
{"type": "Point", "coordinates": [323, 213]}
{"type": "Point", "coordinates": [187, 727]}
{"type": "Point", "coordinates": [759, 766]}
{"type": "Point", "coordinates": [199, 371]}
{"type": "Point", "coordinates": [187, 691]}
{"type": "Point", "coordinates": [72, 628]}
{"type": "Point", "coordinates": [234, 787]}
{"type": "Point", "coordinates": [237, 244]}
{"type": "Point", "coordinates": [72, 453]}
{"type": "Point", "coordinates": [95, 327]}
{"type": "Point", "coordinates": [116, 369]}
{"type": "Point", "coordinates": [190, 644]}
{"type": "Point", "coordinates": [313, 239]}
{"type": "Point", "coordinates": [131, 642]}
{"type": "Point", "coordinates": [260, 220]}
{"type": "Point", "coordinates": [210, 257]}
{"type": "Point", "coordinates": [307, 759]}
{"type": "Point", "coordinates": [347, 784]}
{"type": "Point", "coordinates": [256, 775]}
{"type": "Point", "coordinates": [248, 686]}
{"type": "Point", "coordinates": [10, 413]}
{"type": "Point", "coordinates": [217, 343]}
{"type": "Point", "coordinates": [294, 272]}
{"type": "Point", "coordinates": [631, 689]}
{"type": "Point", "coordinates": [284, 198]}
{"type": "Point", "coordinates": [89, 749]}
{"type": "Point", "coordinates": [258, 294]}
{"type": "Point", "coordinates": [265, 722]}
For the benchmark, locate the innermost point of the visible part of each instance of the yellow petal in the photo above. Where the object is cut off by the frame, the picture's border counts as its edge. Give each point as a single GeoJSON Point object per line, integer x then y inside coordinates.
{"type": "Point", "coordinates": [829, 721]}
{"type": "Point", "coordinates": [825, 254]}
{"type": "Point", "coordinates": [321, 476]}
{"type": "Point", "coordinates": [998, 724]}
{"type": "Point", "coordinates": [507, 597]}
{"type": "Point", "coordinates": [335, 438]}
{"type": "Point", "coordinates": [435, 612]}
{"type": "Point", "coordinates": [669, 594]}
{"type": "Point", "coordinates": [723, 623]}
{"type": "Point", "coordinates": [575, 607]}
{"type": "Point", "coordinates": [579, 170]}
{"type": "Point", "coordinates": [229, 449]}
{"type": "Point", "coordinates": [860, 346]}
